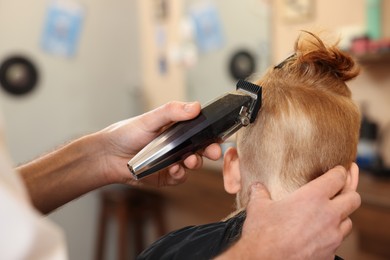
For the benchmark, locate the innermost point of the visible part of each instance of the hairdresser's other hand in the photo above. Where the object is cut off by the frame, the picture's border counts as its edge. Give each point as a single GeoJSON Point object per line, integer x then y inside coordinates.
{"type": "Point", "coordinates": [122, 140]}
{"type": "Point", "coordinates": [310, 223]}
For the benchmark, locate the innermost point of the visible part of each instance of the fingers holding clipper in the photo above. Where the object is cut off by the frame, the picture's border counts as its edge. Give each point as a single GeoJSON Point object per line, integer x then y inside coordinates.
{"type": "Point", "coordinates": [193, 161]}
{"type": "Point", "coordinates": [169, 113]}
{"type": "Point", "coordinates": [213, 152]}
{"type": "Point", "coordinates": [176, 175]}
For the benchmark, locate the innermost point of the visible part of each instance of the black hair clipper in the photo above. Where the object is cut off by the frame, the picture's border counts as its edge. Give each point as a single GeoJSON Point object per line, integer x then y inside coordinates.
{"type": "Point", "coordinates": [216, 122]}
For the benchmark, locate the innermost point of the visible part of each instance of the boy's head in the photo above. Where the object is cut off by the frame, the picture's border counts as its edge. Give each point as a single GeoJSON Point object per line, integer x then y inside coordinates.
{"type": "Point", "coordinates": [307, 124]}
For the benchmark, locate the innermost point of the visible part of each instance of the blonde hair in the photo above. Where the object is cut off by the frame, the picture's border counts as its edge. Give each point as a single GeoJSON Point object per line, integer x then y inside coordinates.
{"type": "Point", "coordinates": [308, 122]}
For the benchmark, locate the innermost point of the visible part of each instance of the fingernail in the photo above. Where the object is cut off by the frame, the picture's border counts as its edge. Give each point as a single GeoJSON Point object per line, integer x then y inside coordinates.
{"type": "Point", "coordinates": [258, 184]}
{"type": "Point", "coordinates": [189, 107]}
{"type": "Point", "coordinates": [255, 186]}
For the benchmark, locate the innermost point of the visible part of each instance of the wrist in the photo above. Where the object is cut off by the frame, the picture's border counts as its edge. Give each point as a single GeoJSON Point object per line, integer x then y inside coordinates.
{"type": "Point", "coordinates": [93, 157]}
{"type": "Point", "coordinates": [105, 159]}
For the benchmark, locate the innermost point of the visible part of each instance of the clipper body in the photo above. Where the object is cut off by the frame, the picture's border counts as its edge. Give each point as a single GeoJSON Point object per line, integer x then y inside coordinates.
{"type": "Point", "coordinates": [216, 122]}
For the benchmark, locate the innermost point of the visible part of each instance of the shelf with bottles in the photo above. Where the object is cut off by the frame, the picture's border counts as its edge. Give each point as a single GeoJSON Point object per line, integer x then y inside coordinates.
{"type": "Point", "coordinates": [367, 50]}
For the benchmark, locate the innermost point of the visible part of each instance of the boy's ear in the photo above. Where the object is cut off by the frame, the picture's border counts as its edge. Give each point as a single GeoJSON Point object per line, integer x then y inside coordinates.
{"type": "Point", "coordinates": [231, 171]}
{"type": "Point", "coordinates": [352, 177]}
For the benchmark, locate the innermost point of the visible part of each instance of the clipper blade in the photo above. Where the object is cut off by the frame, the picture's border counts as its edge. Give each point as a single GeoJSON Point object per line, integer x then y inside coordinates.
{"type": "Point", "coordinates": [256, 92]}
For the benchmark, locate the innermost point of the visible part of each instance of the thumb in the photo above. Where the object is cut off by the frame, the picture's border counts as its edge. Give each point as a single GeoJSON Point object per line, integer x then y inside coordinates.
{"type": "Point", "coordinates": [259, 196]}
{"type": "Point", "coordinates": [169, 113]}
{"type": "Point", "coordinates": [258, 192]}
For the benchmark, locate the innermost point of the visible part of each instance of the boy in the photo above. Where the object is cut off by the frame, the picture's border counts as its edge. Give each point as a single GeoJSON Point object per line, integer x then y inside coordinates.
{"type": "Point", "coordinates": [307, 124]}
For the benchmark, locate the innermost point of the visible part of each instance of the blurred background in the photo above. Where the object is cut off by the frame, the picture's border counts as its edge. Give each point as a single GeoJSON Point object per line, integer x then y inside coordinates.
{"type": "Point", "coordinates": [71, 67]}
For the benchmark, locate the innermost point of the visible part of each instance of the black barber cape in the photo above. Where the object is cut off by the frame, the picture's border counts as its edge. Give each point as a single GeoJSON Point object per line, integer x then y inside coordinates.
{"type": "Point", "coordinates": [197, 242]}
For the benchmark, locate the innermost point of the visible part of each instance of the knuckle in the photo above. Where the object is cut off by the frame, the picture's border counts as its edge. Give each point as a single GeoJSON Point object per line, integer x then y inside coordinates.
{"type": "Point", "coordinates": [171, 105]}
{"type": "Point", "coordinates": [342, 173]}
{"type": "Point", "coordinates": [355, 202]}
{"type": "Point", "coordinates": [349, 224]}
{"type": "Point", "coordinates": [358, 200]}
{"type": "Point", "coordinates": [348, 228]}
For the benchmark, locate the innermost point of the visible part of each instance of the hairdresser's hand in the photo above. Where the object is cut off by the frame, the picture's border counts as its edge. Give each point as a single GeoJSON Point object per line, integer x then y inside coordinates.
{"type": "Point", "coordinates": [310, 223]}
{"type": "Point", "coordinates": [123, 140]}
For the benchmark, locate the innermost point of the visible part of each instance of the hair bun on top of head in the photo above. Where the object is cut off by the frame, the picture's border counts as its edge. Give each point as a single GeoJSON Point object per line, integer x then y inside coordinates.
{"type": "Point", "coordinates": [313, 56]}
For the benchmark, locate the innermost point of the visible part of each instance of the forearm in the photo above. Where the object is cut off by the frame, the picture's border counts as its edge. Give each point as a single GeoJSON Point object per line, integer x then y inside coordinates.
{"type": "Point", "coordinates": [101, 158]}
{"type": "Point", "coordinates": [63, 175]}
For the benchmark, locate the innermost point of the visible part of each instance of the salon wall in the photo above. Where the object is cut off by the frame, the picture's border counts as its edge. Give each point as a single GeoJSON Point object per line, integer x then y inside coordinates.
{"type": "Point", "coordinates": [120, 69]}
{"type": "Point", "coordinates": [331, 15]}
{"type": "Point", "coordinates": [244, 27]}
{"type": "Point", "coordinates": [342, 18]}
{"type": "Point", "coordinates": [162, 79]}
{"type": "Point", "coordinates": [76, 95]}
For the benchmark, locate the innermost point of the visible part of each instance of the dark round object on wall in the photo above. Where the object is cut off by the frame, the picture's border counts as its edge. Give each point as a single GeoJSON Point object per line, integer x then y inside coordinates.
{"type": "Point", "coordinates": [18, 75]}
{"type": "Point", "coordinates": [242, 64]}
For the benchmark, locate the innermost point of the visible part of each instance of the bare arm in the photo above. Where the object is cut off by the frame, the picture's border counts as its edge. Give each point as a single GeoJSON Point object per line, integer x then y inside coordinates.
{"type": "Point", "coordinates": [310, 223]}
{"type": "Point", "coordinates": [62, 175]}
{"type": "Point", "coordinates": [100, 159]}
